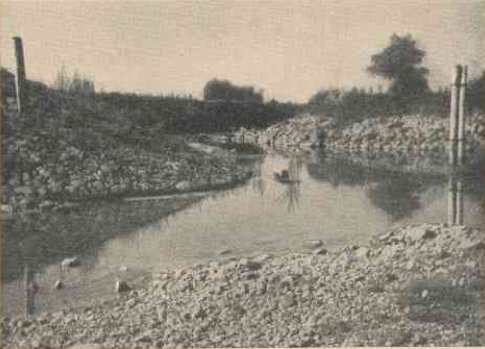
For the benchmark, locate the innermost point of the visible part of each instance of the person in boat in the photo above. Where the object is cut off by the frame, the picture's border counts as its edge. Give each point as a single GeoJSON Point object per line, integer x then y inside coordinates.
{"type": "Point", "coordinates": [284, 176]}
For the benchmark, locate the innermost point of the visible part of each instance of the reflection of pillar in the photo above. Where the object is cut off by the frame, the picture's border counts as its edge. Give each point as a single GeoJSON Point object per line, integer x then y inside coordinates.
{"type": "Point", "coordinates": [455, 201]}
{"type": "Point", "coordinates": [313, 157]}
{"type": "Point", "coordinates": [459, 202]}
{"type": "Point", "coordinates": [451, 200]}
{"type": "Point", "coordinates": [257, 178]}
{"type": "Point", "coordinates": [30, 290]}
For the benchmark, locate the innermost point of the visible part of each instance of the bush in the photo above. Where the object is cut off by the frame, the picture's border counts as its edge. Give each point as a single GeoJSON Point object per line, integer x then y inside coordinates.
{"type": "Point", "coordinates": [224, 90]}
{"type": "Point", "coordinates": [346, 107]}
{"type": "Point", "coordinates": [75, 84]}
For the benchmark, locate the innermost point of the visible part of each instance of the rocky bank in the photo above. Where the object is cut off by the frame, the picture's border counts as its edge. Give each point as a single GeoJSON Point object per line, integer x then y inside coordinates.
{"type": "Point", "coordinates": [413, 133]}
{"type": "Point", "coordinates": [61, 149]}
{"type": "Point", "coordinates": [413, 286]}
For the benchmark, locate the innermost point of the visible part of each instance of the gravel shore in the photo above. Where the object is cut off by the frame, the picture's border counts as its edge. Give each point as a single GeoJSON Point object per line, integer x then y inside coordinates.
{"type": "Point", "coordinates": [414, 286]}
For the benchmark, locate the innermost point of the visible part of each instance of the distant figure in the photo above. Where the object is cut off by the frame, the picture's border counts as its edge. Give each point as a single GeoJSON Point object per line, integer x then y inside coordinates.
{"type": "Point", "coordinates": [283, 177]}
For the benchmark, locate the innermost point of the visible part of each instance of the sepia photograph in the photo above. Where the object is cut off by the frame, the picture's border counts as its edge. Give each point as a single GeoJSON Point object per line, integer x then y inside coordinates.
{"type": "Point", "coordinates": [242, 173]}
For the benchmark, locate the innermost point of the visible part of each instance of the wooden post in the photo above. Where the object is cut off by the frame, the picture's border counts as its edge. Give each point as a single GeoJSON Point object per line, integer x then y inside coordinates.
{"type": "Point", "coordinates": [455, 93]}
{"type": "Point", "coordinates": [461, 116]}
{"type": "Point", "coordinates": [29, 285]}
{"type": "Point", "coordinates": [21, 75]}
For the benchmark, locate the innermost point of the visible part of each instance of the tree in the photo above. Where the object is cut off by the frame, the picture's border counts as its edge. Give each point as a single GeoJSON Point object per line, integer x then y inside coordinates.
{"type": "Point", "coordinates": [400, 63]}
{"type": "Point", "coordinates": [476, 94]}
{"type": "Point", "coordinates": [224, 90]}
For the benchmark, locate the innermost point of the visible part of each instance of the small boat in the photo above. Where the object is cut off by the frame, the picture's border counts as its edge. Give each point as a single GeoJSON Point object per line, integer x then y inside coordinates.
{"type": "Point", "coordinates": [284, 177]}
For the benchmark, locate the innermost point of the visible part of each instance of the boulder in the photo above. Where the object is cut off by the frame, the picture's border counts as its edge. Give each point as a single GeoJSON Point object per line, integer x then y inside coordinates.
{"type": "Point", "coordinates": [225, 252]}
{"type": "Point", "coordinates": [320, 251]}
{"type": "Point", "coordinates": [58, 285]}
{"type": "Point", "coordinates": [7, 212]}
{"type": "Point", "coordinates": [249, 264]}
{"type": "Point", "coordinates": [70, 262]}
{"type": "Point", "coordinates": [121, 286]}
{"type": "Point", "coordinates": [313, 244]}
{"type": "Point", "coordinates": [183, 185]}
{"type": "Point", "coordinates": [418, 234]}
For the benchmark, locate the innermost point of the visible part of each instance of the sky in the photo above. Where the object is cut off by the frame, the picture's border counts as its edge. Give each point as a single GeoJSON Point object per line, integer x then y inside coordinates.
{"type": "Point", "coordinates": [289, 49]}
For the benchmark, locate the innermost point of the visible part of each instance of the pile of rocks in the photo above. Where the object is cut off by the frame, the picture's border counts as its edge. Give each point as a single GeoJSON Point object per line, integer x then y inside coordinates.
{"type": "Point", "coordinates": [44, 171]}
{"type": "Point", "coordinates": [410, 133]}
{"type": "Point", "coordinates": [417, 285]}
{"type": "Point", "coordinates": [45, 181]}
{"type": "Point", "coordinates": [406, 133]}
{"type": "Point", "coordinates": [296, 132]}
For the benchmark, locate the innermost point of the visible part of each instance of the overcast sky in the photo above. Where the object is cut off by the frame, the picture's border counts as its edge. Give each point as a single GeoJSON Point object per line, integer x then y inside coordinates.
{"type": "Point", "coordinates": [290, 49]}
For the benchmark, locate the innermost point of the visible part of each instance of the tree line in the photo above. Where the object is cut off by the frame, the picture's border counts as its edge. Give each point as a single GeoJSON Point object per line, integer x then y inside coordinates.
{"type": "Point", "coordinates": [401, 65]}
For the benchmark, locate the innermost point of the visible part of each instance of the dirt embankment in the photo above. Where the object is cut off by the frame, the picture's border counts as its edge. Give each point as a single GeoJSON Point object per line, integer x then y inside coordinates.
{"type": "Point", "coordinates": [417, 285]}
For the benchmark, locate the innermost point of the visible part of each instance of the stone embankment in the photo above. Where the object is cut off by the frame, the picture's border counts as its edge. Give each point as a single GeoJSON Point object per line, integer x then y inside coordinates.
{"type": "Point", "coordinates": [414, 133]}
{"type": "Point", "coordinates": [45, 182]}
{"type": "Point", "coordinates": [409, 133]}
{"type": "Point", "coordinates": [414, 286]}
{"type": "Point", "coordinates": [41, 170]}
{"type": "Point", "coordinates": [62, 148]}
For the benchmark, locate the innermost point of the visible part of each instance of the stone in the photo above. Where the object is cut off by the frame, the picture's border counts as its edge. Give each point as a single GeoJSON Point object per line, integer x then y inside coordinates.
{"type": "Point", "coordinates": [320, 251]}
{"type": "Point", "coordinates": [473, 245]}
{"type": "Point", "coordinates": [121, 286]}
{"type": "Point", "coordinates": [410, 265]}
{"type": "Point", "coordinates": [417, 234]}
{"type": "Point", "coordinates": [225, 252]}
{"type": "Point", "coordinates": [249, 264]}
{"type": "Point", "coordinates": [70, 262]}
{"type": "Point", "coordinates": [391, 277]}
{"type": "Point", "coordinates": [144, 338]}
{"type": "Point", "coordinates": [7, 212]}
{"type": "Point", "coordinates": [313, 244]}
{"type": "Point", "coordinates": [252, 275]}
{"type": "Point", "coordinates": [262, 258]}
{"type": "Point", "coordinates": [361, 252]}
{"type": "Point", "coordinates": [58, 285]}
{"type": "Point", "coordinates": [183, 186]}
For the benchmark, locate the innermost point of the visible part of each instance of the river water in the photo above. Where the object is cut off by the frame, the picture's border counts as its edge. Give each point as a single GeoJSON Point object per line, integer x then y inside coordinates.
{"type": "Point", "coordinates": [325, 197]}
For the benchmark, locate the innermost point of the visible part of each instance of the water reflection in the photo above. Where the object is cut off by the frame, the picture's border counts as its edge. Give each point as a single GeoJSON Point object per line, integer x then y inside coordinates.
{"type": "Point", "coordinates": [258, 183]}
{"type": "Point", "coordinates": [42, 239]}
{"type": "Point", "coordinates": [396, 193]}
{"type": "Point", "coordinates": [455, 200]}
{"type": "Point", "coordinates": [325, 197]}
{"type": "Point", "coordinates": [290, 179]}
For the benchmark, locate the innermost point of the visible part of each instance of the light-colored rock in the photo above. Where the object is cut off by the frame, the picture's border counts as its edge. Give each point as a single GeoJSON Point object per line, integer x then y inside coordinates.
{"type": "Point", "coordinates": [183, 186]}
{"type": "Point", "coordinates": [58, 285]}
{"type": "Point", "coordinates": [70, 262]}
{"type": "Point", "coordinates": [313, 244]}
{"type": "Point", "coordinates": [121, 286]}
{"type": "Point", "coordinates": [7, 212]}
